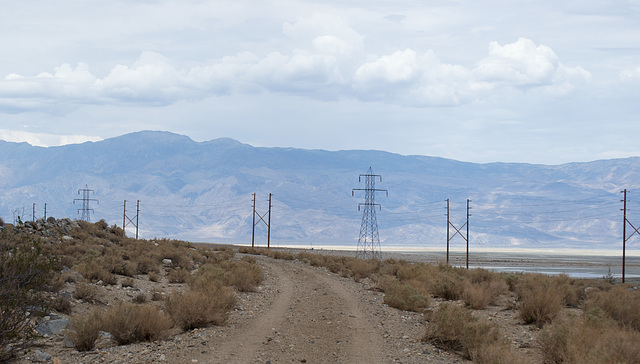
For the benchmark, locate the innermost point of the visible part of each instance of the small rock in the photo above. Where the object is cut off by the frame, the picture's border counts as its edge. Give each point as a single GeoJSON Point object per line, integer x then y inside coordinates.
{"type": "Point", "coordinates": [167, 261]}
{"type": "Point", "coordinates": [41, 356]}
{"type": "Point", "coordinates": [162, 357]}
{"type": "Point", "coordinates": [53, 327]}
{"type": "Point", "coordinates": [68, 343]}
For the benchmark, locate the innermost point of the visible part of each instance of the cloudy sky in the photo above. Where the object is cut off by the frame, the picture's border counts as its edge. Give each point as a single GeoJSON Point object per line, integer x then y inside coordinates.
{"type": "Point", "coordinates": [482, 81]}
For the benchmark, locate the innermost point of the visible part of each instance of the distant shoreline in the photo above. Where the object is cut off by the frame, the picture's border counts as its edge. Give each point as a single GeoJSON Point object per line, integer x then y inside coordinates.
{"type": "Point", "coordinates": [575, 263]}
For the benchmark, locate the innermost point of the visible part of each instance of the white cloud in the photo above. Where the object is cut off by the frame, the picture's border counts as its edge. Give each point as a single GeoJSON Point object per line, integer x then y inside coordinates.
{"type": "Point", "coordinates": [403, 77]}
{"type": "Point", "coordinates": [399, 67]}
{"type": "Point", "coordinates": [632, 74]}
{"type": "Point", "coordinates": [525, 64]}
{"type": "Point", "coordinates": [321, 28]}
{"type": "Point", "coordinates": [44, 139]}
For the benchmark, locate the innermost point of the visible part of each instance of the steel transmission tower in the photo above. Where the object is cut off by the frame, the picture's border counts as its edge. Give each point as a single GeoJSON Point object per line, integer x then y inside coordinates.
{"type": "Point", "coordinates": [369, 240]}
{"type": "Point", "coordinates": [86, 192]}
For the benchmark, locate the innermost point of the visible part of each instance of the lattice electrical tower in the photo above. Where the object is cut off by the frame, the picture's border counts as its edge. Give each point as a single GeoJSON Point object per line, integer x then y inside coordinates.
{"type": "Point", "coordinates": [86, 210]}
{"type": "Point", "coordinates": [369, 240]}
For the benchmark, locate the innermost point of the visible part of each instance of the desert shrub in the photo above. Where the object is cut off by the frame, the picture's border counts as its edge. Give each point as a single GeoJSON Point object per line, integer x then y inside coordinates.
{"type": "Point", "coordinates": [90, 269]}
{"type": "Point", "coordinates": [93, 270]}
{"type": "Point", "coordinates": [139, 298]}
{"type": "Point", "coordinates": [512, 279]}
{"type": "Point", "coordinates": [283, 255]}
{"type": "Point", "coordinates": [476, 296]}
{"type": "Point", "coordinates": [453, 327]}
{"type": "Point", "coordinates": [540, 301]}
{"type": "Point", "coordinates": [315, 260]}
{"type": "Point", "coordinates": [56, 282]}
{"type": "Point", "coordinates": [25, 270]}
{"type": "Point", "coordinates": [483, 293]}
{"type": "Point", "coordinates": [411, 271]}
{"type": "Point", "coordinates": [249, 259]}
{"type": "Point", "coordinates": [61, 304]}
{"type": "Point", "coordinates": [128, 323]}
{"type": "Point", "coordinates": [402, 296]}
{"type": "Point", "coordinates": [244, 276]}
{"type": "Point", "coordinates": [359, 268]}
{"type": "Point", "coordinates": [219, 256]}
{"type": "Point", "coordinates": [153, 323]}
{"type": "Point", "coordinates": [127, 282]}
{"type": "Point", "coordinates": [109, 279]}
{"type": "Point", "coordinates": [200, 308]}
{"type": "Point", "coordinates": [177, 252]}
{"type": "Point", "coordinates": [447, 285]}
{"type": "Point", "coordinates": [179, 275]}
{"type": "Point", "coordinates": [591, 338]}
{"type": "Point", "coordinates": [249, 250]}
{"type": "Point", "coordinates": [154, 276]}
{"type": "Point", "coordinates": [572, 290]}
{"type": "Point", "coordinates": [479, 275]}
{"type": "Point", "coordinates": [619, 303]}
{"type": "Point", "coordinates": [391, 266]}
{"type": "Point", "coordinates": [85, 330]}
{"type": "Point", "coordinates": [86, 292]}
{"type": "Point", "coordinates": [156, 295]}
{"type": "Point", "coordinates": [71, 276]}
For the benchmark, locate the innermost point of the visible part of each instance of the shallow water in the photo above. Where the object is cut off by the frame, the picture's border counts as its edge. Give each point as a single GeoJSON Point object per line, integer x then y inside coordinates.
{"type": "Point", "coordinates": [574, 265]}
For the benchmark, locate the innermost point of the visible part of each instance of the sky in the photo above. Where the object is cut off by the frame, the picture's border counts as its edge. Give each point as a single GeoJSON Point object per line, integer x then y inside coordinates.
{"type": "Point", "coordinates": [539, 81]}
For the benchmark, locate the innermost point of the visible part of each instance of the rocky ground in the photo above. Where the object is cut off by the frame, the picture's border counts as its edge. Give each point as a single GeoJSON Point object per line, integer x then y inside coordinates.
{"type": "Point", "coordinates": [300, 314]}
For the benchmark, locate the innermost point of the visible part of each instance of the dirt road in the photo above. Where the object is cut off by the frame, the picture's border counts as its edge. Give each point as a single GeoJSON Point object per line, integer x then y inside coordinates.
{"type": "Point", "coordinates": [313, 319]}
{"type": "Point", "coordinates": [312, 316]}
{"type": "Point", "coordinates": [300, 314]}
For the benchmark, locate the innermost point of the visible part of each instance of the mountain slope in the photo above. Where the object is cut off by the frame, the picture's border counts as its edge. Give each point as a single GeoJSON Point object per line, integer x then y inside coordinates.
{"type": "Point", "coordinates": [204, 191]}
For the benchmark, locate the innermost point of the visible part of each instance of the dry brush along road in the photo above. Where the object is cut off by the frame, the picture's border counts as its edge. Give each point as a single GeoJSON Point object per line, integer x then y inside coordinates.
{"type": "Point", "coordinates": [300, 314]}
{"type": "Point", "coordinates": [304, 314]}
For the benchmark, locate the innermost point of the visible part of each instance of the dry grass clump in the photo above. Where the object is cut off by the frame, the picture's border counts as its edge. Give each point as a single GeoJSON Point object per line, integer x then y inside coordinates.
{"type": "Point", "coordinates": [482, 288]}
{"type": "Point", "coordinates": [245, 277]}
{"type": "Point", "coordinates": [154, 276]}
{"type": "Point", "coordinates": [179, 275]}
{"type": "Point", "coordinates": [619, 303]}
{"type": "Point", "coordinates": [127, 282]}
{"type": "Point", "coordinates": [128, 323]}
{"type": "Point", "coordinates": [201, 307]}
{"type": "Point", "coordinates": [540, 300]}
{"type": "Point", "coordinates": [139, 298]}
{"type": "Point", "coordinates": [454, 328]}
{"type": "Point", "coordinates": [242, 275]}
{"type": "Point", "coordinates": [360, 269]}
{"type": "Point", "coordinates": [85, 330]}
{"type": "Point", "coordinates": [61, 304]}
{"type": "Point", "coordinates": [86, 292]}
{"type": "Point", "coordinates": [591, 338]}
{"type": "Point", "coordinates": [403, 296]}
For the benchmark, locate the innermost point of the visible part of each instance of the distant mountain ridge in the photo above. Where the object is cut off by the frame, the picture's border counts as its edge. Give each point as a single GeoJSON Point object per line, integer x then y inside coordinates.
{"type": "Point", "coordinates": [203, 191]}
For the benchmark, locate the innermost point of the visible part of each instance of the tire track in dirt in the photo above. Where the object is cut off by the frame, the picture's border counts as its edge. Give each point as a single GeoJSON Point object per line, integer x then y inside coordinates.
{"type": "Point", "coordinates": [314, 318]}
{"type": "Point", "coordinates": [243, 345]}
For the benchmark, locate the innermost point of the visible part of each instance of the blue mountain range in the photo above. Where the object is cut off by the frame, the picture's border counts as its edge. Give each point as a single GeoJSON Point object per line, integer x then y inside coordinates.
{"type": "Point", "coordinates": [204, 191]}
